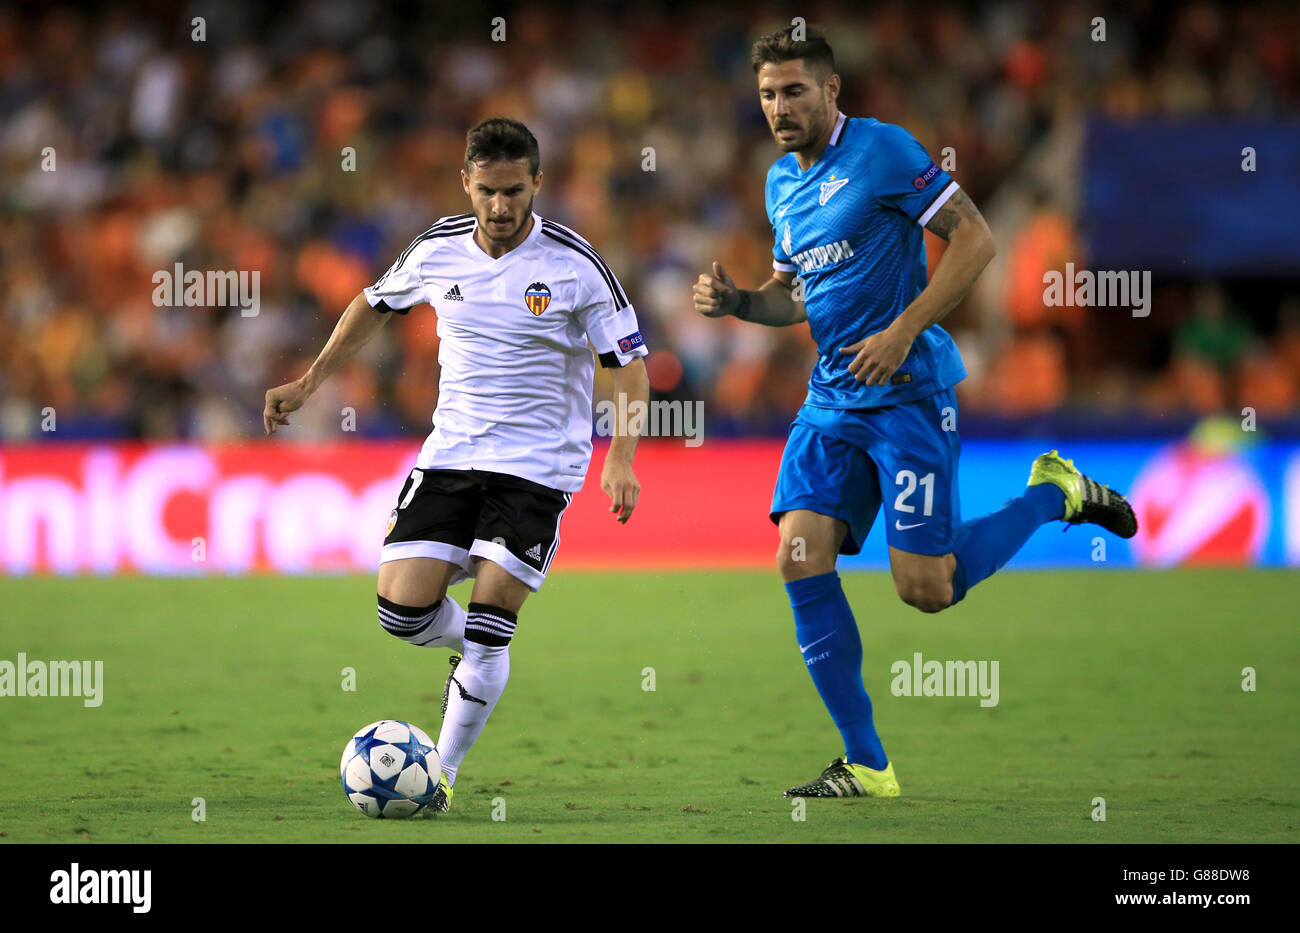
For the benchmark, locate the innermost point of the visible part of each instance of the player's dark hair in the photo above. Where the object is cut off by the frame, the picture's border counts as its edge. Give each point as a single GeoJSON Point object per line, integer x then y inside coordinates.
{"type": "Point", "coordinates": [498, 138]}
{"type": "Point", "coordinates": [782, 46]}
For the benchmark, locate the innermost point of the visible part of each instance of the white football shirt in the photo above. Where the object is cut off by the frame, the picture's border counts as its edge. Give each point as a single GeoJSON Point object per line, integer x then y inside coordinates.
{"type": "Point", "coordinates": [515, 391]}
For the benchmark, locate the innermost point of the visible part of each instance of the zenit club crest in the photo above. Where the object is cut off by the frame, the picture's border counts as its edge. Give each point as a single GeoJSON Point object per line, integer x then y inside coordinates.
{"type": "Point", "coordinates": [537, 297]}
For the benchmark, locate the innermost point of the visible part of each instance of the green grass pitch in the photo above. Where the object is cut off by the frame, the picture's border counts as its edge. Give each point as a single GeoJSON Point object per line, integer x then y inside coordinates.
{"type": "Point", "coordinates": [1121, 685]}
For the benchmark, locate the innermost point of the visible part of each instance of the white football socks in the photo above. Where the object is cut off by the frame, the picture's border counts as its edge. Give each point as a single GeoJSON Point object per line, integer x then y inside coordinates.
{"type": "Point", "coordinates": [480, 679]}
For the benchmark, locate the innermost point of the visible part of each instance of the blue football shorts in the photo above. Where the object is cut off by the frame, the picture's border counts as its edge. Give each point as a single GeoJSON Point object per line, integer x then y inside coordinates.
{"type": "Point", "coordinates": [846, 462]}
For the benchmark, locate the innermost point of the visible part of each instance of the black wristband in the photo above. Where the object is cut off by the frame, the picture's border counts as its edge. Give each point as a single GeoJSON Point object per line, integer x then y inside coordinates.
{"type": "Point", "coordinates": [742, 310]}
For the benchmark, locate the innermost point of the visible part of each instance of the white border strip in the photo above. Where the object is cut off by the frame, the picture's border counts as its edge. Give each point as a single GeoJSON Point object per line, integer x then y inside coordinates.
{"type": "Point", "coordinates": [499, 555]}
{"type": "Point", "coordinates": [933, 209]}
{"type": "Point", "coordinates": [400, 550]}
{"type": "Point", "coordinates": [839, 128]}
{"type": "Point", "coordinates": [555, 542]}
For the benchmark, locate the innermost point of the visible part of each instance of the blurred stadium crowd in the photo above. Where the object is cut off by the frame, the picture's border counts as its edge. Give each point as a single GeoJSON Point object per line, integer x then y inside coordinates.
{"type": "Point", "coordinates": [228, 154]}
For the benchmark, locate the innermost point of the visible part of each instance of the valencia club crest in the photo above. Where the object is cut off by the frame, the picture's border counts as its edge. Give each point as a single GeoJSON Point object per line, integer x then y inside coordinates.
{"type": "Point", "coordinates": [537, 297]}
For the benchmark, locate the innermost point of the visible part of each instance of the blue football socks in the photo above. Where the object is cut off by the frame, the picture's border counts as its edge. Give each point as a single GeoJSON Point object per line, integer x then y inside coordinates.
{"type": "Point", "coordinates": [986, 544]}
{"type": "Point", "coordinates": [832, 650]}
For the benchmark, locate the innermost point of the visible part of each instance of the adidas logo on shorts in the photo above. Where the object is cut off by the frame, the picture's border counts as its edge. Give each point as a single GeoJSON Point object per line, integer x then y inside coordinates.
{"type": "Point", "coordinates": [534, 552]}
{"type": "Point", "coordinates": [454, 294]}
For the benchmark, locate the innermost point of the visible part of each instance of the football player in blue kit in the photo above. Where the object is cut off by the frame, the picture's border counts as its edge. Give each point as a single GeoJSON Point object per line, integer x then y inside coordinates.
{"type": "Point", "coordinates": [848, 203]}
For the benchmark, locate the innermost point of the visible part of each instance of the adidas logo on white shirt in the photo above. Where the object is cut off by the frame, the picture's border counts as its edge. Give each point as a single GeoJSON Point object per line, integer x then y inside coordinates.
{"type": "Point", "coordinates": [454, 294]}
{"type": "Point", "coordinates": [535, 552]}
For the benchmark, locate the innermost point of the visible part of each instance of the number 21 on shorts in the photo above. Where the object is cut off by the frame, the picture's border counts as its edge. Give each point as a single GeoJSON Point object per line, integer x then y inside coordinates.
{"type": "Point", "coordinates": [908, 480]}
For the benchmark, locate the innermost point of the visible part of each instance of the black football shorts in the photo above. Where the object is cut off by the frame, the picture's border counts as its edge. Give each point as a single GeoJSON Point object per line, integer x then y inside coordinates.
{"type": "Point", "coordinates": [459, 515]}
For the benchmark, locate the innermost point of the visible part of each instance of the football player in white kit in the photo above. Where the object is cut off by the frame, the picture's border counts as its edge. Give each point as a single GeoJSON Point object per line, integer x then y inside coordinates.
{"type": "Point", "coordinates": [518, 298]}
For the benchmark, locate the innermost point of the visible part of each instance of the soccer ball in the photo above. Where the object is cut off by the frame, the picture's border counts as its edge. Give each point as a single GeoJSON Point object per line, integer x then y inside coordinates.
{"type": "Point", "coordinates": [390, 770]}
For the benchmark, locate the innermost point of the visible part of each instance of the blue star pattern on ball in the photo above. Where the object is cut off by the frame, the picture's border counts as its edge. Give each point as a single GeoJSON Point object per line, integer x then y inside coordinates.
{"type": "Point", "coordinates": [390, 769]}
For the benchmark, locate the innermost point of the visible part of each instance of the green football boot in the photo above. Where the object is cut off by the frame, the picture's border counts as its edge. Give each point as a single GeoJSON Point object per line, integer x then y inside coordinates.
{"type": "Point", "coordinates": [1086, 500]}
{"type": "Point", "coordinates": [843, 779]}
{"type": "Point", "coordinates": [441, 801]}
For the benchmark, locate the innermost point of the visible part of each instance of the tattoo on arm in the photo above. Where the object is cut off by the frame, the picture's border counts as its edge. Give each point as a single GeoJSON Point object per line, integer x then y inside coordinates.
{"type": "Point", "coordinates": [949, 217]}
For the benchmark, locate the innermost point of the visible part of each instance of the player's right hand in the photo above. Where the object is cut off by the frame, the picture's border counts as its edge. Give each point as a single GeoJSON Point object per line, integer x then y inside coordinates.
{"type": "Point", "coordinates": [280, 401]}
{"type": "Point", "coordinates": [716, 295]}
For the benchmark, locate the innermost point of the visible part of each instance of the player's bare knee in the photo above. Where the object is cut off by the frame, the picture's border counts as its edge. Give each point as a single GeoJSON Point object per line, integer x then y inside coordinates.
{"type": "Point", "coordinates": [496, 586]}
{"type": "Point", "coordinates": [927, 597]}
{"type": "Point", "coordinates": [498, 596]}
{"type": "Point", "coordinates": [785, 562]}
{"type": "Point", "coordinates": [795, 559]}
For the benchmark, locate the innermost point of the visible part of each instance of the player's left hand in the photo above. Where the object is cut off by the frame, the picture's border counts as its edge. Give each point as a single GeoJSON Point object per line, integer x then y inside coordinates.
{"type": "Point", "coordinates": [619, 483]}
{"type": "Point", "coordinates": [878, 356]}
{"type": "Point", "coordinates": [281, 401]}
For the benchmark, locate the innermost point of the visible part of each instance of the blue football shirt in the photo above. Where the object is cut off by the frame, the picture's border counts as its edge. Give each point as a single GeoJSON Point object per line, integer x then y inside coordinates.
{"type": "Point", "coordinates": [851, 227]}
